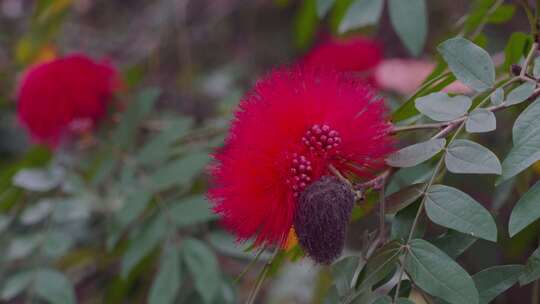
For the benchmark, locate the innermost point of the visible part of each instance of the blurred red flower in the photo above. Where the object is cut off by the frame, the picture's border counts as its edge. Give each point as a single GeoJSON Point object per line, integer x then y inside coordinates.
{"type": "Point", "coordinates": [64, 96]}
{"type": "Point", "coordinates": [363, 57]}
{"type": "Point", "coordinates": [356, 54]}
{"type": "Point", "coordinates": [287, 131]}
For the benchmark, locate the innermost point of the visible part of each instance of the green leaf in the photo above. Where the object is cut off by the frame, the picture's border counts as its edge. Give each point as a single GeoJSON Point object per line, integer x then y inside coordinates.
{"type": "Point", "coordinates": [36, 213]}
{"type": "Point", "coordinates": [178, 172]}
{"type": "Point", "coordinates": [143, 243]}
{"type": "Point", "coordinates": [323, 7]}
{"type": "Point", "coordinates": [497, 97]}
{"type": "Point", "coordinates": [361, 13]}
{"type": "Point", "coordinates": [107, 163]}
{"type": "Point", "coordinates": [134, 205]}
{"type": "Point", "coordinates": [388, 300]}
{"type": "Point", "coordinates": [470, 63]}
{"type": "Point", "coordinates": [525, 211]}
{"type": "Point", "coordinates": [441, 107]}
{"type": "Point", "coordinates": [21, 247]}
{"type": "Point", "coordinates": [454, 243]}
{"type": "Point", "coordinates": [520, 94]}
{"type": "Point", "coordinates": [226, 244]}
{"type": "Point", "coordinates": [168, 279]}
{"type": "Point", "coordinates": [415, 154]}
{"type": "Point", "coordinates": [5, 221]}
{"type": "Point", "coordinates": [501, 194]}
{"type": "Point", "coordinates": [454, 209]}
{"type": "Point", "coordinates": [39, 180]}
{"type": "Point", "coordinates": [502, 14]}
{"type": "Point", "coordinates": [532, 269]}
{"type": "Point", "coordinates": [191, 211]}
{"type": "Point", "coordinates": [465, 156]}
{"type": "Point", "coordinates": [435, 272]}
{"type": "Point", "coordinates": [410, 21]}
{"type": "Point", "coordinates": [379, 265]}
{"type": "Point", "coordinates": [402, 223]}
{"type": "Point", "coordinates": [332, 296]}
{"type": "Point", "coordinates": [405, 301]}
{"type": "Point", "coordinates": [408, 110]}
{"type": "Point", "coordinates": [159, 148]}
{"type": "Point", "coordinates": [524, 127]}
{"type": "Point", "coordinates": [404, 197]}
{"type": "Point", "coordinates": [202, 264]}
{"type": "Point", "coordinates": [306, 22]}
{"type": "Point", "coordinates": [493, 281]}
{"type": "Point", "coordinates": [476, 15]}
{"type": "Point", "coordinates": [383, 300]}
{"type": "Point", "coordinates": [480, 121]}
{"type": "Point", "coordinates": [517, 47]}
{"type": "Point", "coordinates": [53, 287]}
{"type": "Point", "coordinates": [367, 296]}
{"type": "Point", "coordinates": [56, 243]}
{"type": "Point", "coordinates": [407, 176]}
{"type": "Point", "coordinates": [16, 284]}
{"type": "Point", "coordinates": [526, 139]}
{"type": "Point", "coordinates": [124, 135]}
{"type": "Point", "coordinates": [343, 272]}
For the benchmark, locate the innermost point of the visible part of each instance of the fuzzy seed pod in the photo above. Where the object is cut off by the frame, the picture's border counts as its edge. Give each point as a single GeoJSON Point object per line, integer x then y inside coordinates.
{"type": "Point", "coordinates": [322, 217]}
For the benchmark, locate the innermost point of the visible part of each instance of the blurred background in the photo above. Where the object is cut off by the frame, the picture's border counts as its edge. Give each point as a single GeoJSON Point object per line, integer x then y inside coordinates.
{"type": "Point", "coordinates": [119, 215]}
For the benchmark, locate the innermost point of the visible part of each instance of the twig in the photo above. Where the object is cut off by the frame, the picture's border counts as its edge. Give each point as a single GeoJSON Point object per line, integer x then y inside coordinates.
{"type": "Point", "coordinates": [528, 59]}
{"type": "Point", "coordinates": [382, 211]}
{"type": "Point", "coordinates": [363, 259]}
{"type": "Point", "coordinates": [261, 278]}
{"type": "Point", "coordinates": [377, 182]}
{"type": "Point", "coordinates": [449, 128]}
{"type": "Point", "coordinates": [415, 222]}
{"type": "Point", "coordinates": [250, 264]}
{"type": "Point", "coordinates": [418, 127]}
{"type": "Point", "coordinates": [340, 176]}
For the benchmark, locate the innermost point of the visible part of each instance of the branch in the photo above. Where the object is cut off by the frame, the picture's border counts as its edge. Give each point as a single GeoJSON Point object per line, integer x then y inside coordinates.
{"type": "Point", "coordinates": [418, 127]}
{"type": "Point", "coordinates": [377, 182]}
{"type": "Point", "coordinates": [528, 59]}
{"type": "Point", "coordinates": [340, 176]}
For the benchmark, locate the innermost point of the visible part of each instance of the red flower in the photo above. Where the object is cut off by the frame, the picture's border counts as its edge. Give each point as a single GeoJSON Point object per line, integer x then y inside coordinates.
{"type": "Point", "coordinates": [60, 96]}
{"type": "Point", "coordinates": [287, 131]}
{"type": "Point", "coordinates": [357, 54]}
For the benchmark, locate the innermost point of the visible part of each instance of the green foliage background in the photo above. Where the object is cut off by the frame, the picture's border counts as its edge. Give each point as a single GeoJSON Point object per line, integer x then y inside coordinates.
{"type": "Point", "coordinates": [122, 217]}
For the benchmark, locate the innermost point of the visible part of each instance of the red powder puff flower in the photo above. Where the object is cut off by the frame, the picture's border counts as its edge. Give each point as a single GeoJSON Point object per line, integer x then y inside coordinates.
{"type": "Point", "coordinates": [356, 54]}
{"type": "Point", "coordinates": [286, 134]}
{"type": "Point", "coordinates": [63, 96]}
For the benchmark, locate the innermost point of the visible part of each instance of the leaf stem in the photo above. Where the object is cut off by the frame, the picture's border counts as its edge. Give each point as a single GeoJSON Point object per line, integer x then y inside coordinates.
{"type": "Point", "coordinates": [340, 176]}
{"type": "Point", "coordinates": [377, 182]}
